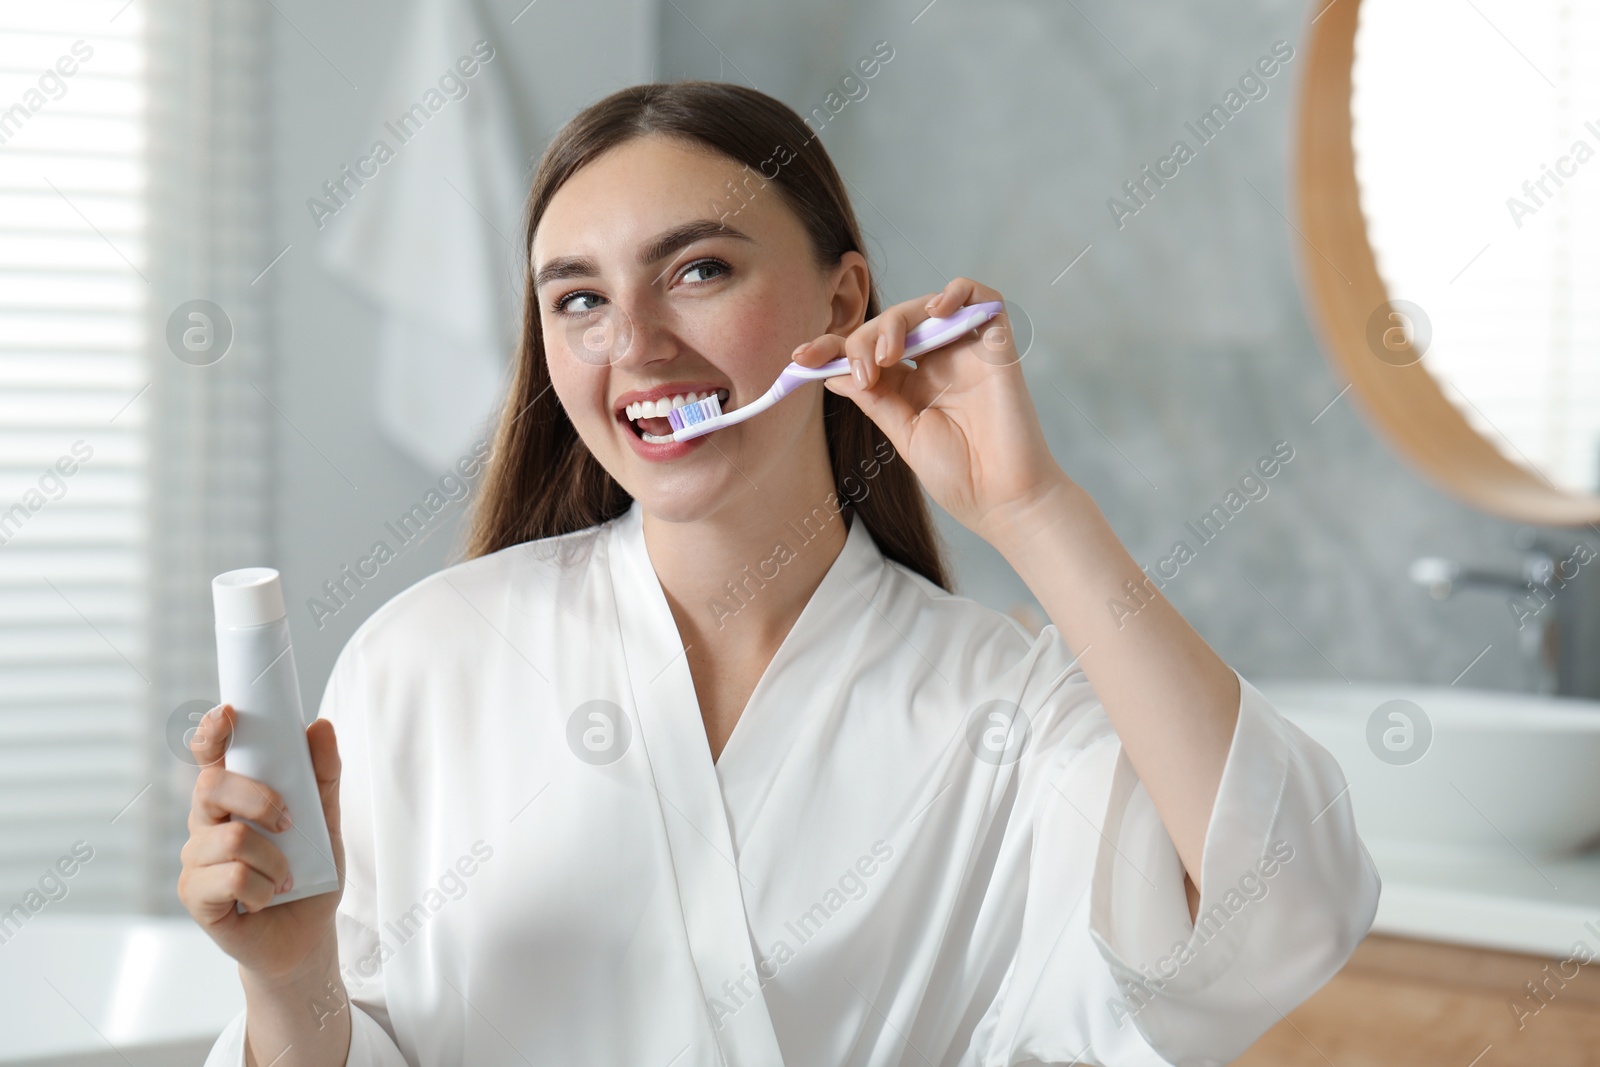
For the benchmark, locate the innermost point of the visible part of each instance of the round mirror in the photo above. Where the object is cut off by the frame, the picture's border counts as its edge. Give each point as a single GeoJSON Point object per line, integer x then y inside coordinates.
{"type": "Point", "coordinates": [1449, 194]}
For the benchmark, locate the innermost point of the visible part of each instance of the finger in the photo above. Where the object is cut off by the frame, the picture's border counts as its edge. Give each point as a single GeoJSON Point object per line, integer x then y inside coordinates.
{"type": "Point", "coordinates": [819, 350]}
{"type": "Point", "coordinates": [327, 764]}
{"type": "Point", "coordinates": [231, 842]}
{"type": "Point", "coordinates": [829, 347]}
{"type": "Point", "coordinates": [898, 320]}
{"type": "Point", "coordinates": [212, 890]}
{"type": "Point", "coordinates": [958, 293]}
{"type": "Point", "coordinates": [870, 345]}
{"type": "Point", "coordinates": [861, 351]}
{"type": "Point", "coordinates": [860, 346]}
{"type": "Point", "coordinates": [220, 794]}
{"type": "Point", "coordinates": [891, 342]}
{"type": "Point", "coordinates": [814, 353]}
{"type": "Point", "coordinates": [211, 736]}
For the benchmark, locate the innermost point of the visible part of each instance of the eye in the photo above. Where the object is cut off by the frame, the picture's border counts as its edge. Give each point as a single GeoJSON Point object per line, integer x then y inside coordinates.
{"type": "Point", "coordinates": [561, 306]}
{"type": "Point", "coordinates": [703, 265]}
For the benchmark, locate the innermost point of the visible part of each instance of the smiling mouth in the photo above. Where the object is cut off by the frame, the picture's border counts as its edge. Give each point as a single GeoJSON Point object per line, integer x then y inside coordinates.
{"type": "Point", "coordinates": [648, 418]}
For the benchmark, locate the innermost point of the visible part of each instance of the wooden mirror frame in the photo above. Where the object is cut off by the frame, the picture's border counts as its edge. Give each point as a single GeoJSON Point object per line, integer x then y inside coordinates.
{"type": "Point", "coordinates": [1343, 291]}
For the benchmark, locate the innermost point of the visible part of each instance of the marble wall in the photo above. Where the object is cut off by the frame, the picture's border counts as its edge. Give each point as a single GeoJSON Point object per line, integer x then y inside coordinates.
{"type": "Point", "coordinates": [1176, 350]}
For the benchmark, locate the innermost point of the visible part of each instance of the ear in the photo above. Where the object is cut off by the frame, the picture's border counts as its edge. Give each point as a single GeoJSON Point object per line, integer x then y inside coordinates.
{"type": "Point", "coordinates": [851, 293]}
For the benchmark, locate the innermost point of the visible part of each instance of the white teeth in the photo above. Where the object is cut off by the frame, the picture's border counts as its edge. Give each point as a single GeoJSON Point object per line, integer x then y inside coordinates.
{"type": "Point", "coordinates": [652, 439]}
{"type": "Point", "coordinates": [655, 409]}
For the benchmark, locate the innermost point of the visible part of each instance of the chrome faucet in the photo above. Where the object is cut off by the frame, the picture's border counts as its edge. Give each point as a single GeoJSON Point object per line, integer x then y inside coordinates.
{"type": "Point", "coordinates": [1553, 595]}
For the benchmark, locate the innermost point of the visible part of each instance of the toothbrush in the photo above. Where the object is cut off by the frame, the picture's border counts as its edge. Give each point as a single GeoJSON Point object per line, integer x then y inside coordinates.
{"type": "Point", "coordinates": [704, 416]}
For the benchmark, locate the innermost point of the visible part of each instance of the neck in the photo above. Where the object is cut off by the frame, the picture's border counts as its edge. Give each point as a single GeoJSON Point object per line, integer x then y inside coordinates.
{"type": "Point", "coordinates": [740, 578]}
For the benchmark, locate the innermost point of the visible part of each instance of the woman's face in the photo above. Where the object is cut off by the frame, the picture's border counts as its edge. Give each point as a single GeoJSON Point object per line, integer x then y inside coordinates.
{"type": "Point", "coordinates": [643, 293]}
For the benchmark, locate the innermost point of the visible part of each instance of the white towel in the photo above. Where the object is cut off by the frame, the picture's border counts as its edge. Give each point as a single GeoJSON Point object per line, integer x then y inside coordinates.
{"type": "Point", "coordinates": [431, 236]}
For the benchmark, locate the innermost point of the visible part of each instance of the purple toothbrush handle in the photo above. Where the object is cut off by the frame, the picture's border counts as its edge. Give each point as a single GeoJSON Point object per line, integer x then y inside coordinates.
{"type": "Point", "coordinates": [923, 337]}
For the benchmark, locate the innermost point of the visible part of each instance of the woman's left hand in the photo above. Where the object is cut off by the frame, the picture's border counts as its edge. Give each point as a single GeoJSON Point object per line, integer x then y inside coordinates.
{"type": "Point", "coordinates": [963, 418]}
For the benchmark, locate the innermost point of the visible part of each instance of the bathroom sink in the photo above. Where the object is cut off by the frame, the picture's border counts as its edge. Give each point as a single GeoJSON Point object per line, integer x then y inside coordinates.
{"type": "Point", "coordinates": [1434, 769]}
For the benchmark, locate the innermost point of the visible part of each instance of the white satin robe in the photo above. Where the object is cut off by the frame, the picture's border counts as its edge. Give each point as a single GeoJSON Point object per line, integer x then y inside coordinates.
{"type": "Point", "coordinates": [848, 884]}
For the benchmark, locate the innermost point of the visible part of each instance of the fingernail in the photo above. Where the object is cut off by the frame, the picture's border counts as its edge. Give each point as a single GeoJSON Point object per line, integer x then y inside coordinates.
{"type": "Point", "coordinates": [796, 353]}
{"type": "Point", "coordinates": [284, 822]}
{"type": "Point", "coordinates": [214, 714]}
{"type": "Point", "coordinates": [288, 884]}
{"type": "Point", "coordinates": [859, 369]}
{"type": "Point", "coordinates": [881, 349]}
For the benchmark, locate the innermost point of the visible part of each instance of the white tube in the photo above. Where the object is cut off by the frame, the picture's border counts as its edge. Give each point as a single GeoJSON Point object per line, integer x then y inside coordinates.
{"type": "Point", "coordinates": [255, 674]}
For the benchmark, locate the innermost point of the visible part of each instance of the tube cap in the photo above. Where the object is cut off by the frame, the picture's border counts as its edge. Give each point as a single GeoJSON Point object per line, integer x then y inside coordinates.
{"type": "Point", "coordinates": [250, 596]}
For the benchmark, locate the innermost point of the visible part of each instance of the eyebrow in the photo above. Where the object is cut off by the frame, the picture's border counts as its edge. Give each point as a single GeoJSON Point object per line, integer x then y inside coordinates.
{"type": "Point", "coordinates": [666, 243]}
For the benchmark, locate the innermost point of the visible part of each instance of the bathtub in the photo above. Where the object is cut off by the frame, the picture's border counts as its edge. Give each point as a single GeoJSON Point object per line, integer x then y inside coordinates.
{"type": "Point", "coordinates": [113, 991]}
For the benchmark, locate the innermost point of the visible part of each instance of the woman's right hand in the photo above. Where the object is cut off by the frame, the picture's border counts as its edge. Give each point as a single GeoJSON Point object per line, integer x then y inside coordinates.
{"type": "Point", "coordinates": [226, 860]}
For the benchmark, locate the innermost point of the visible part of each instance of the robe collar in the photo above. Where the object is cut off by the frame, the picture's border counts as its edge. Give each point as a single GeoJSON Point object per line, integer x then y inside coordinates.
{"type": "Point", "coordinates": [847, 591]}
{"type": "Point", "coordinates": [676, 757]}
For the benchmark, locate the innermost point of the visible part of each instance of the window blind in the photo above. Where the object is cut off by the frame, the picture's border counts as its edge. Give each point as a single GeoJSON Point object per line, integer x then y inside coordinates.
{"type": "Point", "coordinates": [130, 189]}
{"type": "Point", "coordinates": [74, 661]}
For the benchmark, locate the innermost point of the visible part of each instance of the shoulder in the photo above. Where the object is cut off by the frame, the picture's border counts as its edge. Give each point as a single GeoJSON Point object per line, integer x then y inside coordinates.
{"type": "Point", "coordinates": [976, 654]}
{"type": "Point", "coordinates": [957, 626]}
{"type": "Point", "coordinates": [421, 615]}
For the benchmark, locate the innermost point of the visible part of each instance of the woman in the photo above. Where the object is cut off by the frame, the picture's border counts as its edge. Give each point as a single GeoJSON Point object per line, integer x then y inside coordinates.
{"type": "Point", "coordinates": [696, 761]}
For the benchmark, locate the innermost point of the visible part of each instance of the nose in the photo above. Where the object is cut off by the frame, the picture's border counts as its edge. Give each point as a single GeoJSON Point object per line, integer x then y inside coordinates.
{"type": "Point", "coordinates": [629, 336]}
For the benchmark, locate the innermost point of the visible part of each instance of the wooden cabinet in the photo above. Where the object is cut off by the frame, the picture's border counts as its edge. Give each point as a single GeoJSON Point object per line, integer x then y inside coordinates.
{"type": "Point", "coordinates": [1403, 1003]}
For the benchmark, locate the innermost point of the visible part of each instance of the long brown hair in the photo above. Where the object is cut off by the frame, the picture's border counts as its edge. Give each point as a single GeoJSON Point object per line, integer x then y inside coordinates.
{"type": "Point", "coordinates": [541, 480]}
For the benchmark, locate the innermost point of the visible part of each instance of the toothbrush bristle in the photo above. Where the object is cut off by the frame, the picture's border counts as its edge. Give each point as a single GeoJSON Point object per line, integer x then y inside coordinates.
{"type": "Point", "coordinates": [691, 414]}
